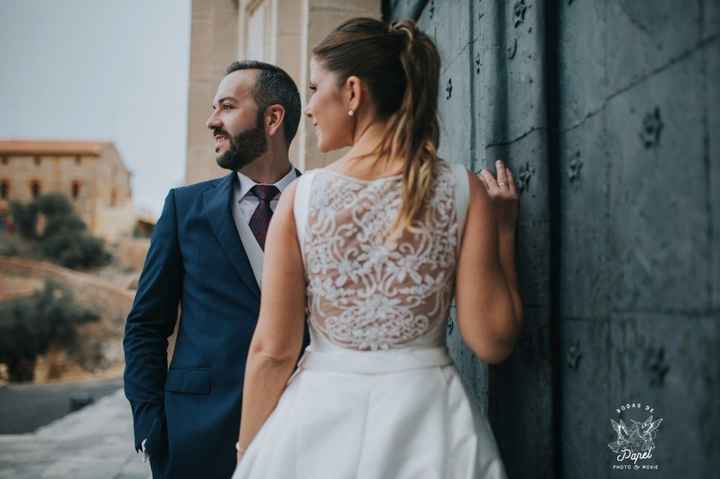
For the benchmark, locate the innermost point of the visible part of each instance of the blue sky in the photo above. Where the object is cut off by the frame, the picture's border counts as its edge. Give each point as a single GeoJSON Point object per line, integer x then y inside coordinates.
{"type": "Point", "coordinates": [101, 69]}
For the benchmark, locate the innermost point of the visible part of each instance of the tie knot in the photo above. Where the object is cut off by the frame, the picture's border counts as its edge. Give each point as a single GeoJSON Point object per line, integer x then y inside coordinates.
{"type": "Point", "coordinates": [265, 192]}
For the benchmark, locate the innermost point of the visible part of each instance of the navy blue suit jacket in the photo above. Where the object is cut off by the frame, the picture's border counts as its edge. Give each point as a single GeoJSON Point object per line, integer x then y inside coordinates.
{"type": "Point", "coordinates": [190, 412]}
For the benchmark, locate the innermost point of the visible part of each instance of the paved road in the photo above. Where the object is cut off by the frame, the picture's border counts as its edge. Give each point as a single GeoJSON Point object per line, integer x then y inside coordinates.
{"type": "Point", "coordinates": [26, 407]}
{"type": "Point", "coordinates": [92, 443]}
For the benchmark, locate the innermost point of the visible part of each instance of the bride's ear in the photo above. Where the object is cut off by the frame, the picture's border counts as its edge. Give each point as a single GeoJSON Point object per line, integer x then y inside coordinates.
{"type": "Point", "coordinates": [354, 93]}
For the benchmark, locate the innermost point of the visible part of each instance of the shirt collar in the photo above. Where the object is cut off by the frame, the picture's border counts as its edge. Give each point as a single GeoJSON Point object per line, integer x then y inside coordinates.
{"type": "Point", "coordinates": [246, 183]}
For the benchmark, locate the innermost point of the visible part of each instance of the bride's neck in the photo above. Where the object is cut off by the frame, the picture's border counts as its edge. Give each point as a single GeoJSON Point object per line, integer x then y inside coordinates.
{"type": "Point", "coordinates": [368, 138]}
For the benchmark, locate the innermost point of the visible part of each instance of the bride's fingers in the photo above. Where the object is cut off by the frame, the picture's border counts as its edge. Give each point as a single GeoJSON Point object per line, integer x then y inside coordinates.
{"type": "Point", "coordinates": [501, 174]}
{"type": "Point", "coordinates": [481, 177]}
{"type": "Point", "coordinates": [511, 183]}
{"type": "Point", "coordinates": [489, 181]}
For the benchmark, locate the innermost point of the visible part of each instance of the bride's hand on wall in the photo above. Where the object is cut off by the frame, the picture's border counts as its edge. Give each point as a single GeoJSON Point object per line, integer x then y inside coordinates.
{"type": "Point", "coordinates": [504, 195]}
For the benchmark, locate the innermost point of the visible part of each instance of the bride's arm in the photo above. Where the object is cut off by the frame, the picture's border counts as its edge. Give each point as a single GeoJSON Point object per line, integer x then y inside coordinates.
{"type": "Point", "coordinates": [278, 336]}
{"type": "Point", "coordinates": [489, 307]}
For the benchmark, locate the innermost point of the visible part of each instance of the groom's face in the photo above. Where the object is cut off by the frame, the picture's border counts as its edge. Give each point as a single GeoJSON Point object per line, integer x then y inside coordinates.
{"type": "Point", "coordinates": [236, 123]}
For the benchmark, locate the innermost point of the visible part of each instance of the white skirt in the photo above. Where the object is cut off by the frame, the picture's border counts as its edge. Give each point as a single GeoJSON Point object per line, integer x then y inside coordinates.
{"type": "Point", "coordinates": [396, 414]}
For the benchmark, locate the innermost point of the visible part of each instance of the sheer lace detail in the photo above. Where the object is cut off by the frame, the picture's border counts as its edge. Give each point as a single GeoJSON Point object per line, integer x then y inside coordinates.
{"type": "Point", "coordinates": [366, 293]}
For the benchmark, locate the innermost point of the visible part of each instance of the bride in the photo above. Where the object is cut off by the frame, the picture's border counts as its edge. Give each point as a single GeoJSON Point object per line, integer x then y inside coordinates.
{"type": "Point", "coordinates": [373, 248]}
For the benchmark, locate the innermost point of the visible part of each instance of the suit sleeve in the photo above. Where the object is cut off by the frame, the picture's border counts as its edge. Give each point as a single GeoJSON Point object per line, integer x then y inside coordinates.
{"type": "Point", "coordinates": [151, 321]}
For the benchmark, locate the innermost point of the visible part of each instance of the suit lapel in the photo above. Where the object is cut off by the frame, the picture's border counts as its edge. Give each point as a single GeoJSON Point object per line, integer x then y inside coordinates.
{"type": "Point", "coordinates": [218, 209]}
{"type": "Point", "coordinates": [219, 212]}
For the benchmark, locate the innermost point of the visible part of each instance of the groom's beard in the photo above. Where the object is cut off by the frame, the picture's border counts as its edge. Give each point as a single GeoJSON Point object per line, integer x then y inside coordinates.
{"type": "Point", "coordinates": [245, 147]}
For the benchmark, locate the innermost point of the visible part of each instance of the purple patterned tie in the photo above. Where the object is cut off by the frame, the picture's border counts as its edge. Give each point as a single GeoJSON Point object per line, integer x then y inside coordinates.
{"type": "Point", "coordinates": [261, 217]}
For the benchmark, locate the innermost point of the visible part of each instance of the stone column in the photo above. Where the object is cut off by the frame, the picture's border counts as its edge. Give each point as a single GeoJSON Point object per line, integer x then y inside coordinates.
{"type": "Point", "coordinates": [322, 16]}
{"type": "Point", "coordinates": [213, 46]}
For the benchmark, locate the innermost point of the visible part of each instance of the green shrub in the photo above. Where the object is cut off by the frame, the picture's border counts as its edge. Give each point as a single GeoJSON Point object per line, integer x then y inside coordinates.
{"type": "Point", "coordinates": [64, 239]}
{"type": "Point", "coordinates": [8, 247]}
{"type": "Point", "coordinates": [29, 326]}
{"type": "Point", "coordinates": [25, 217]}
{"type": "Point", "coordinates": [54, 205]}
{"type": "Point", "coordinates": [77, 250]}
{"type": "Point", "coordinates": [71, 223]}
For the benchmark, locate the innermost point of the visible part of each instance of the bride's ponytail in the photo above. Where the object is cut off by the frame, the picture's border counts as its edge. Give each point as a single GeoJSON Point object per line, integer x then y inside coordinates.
{"type": "Point", "coordinates": [401, 67]}
{"type": "Point", "coordinates": [413, 132]}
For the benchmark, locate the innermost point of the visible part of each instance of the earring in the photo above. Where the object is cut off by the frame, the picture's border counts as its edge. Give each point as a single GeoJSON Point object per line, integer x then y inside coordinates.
{"type": "Point", "coordinates": [351, 113]}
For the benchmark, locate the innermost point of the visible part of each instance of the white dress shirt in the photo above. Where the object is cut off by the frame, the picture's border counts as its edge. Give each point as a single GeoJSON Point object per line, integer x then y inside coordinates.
{"type": "Point", "coordinates": [243, 207]}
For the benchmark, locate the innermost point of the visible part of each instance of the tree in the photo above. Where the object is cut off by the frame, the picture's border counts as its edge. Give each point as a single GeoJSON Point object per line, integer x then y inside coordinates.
{"type": "Point", "coordinates": [63, 238]}
{"type": "Point", "coordinates": [29, 326]}
{"type": "Point", "coordinates": [25, 217]}
{"type": "Point", "coordinates": [73, 250]}
{"type": "Point", "coordinates": [54, 205]}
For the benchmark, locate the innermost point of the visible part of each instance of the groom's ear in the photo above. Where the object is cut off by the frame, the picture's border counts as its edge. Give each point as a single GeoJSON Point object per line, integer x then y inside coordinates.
{"type": "Point", "coordinates": [274, 116]}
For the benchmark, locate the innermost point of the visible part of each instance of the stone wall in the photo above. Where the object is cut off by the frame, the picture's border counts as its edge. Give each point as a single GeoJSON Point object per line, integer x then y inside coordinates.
{"type": "Point", "coordinates": [636, 194]}
{"type": "Point", "coordinates": [213, 46]}
{"type": "Point", "coordinates": [608, 113]}
{"type": "Point", "coordinates": [54, 174]}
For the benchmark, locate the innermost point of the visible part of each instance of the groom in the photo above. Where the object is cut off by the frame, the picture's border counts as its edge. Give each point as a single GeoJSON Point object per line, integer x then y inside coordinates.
{"type": "Point", "coordinates": [206, 257]}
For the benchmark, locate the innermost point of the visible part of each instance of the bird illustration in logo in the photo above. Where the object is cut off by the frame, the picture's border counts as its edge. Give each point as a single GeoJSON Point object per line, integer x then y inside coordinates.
{"type": "Point", "coordinates": [639, 436]}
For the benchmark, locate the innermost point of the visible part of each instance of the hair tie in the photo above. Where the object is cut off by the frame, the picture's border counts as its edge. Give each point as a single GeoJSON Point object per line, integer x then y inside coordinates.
{"type": "Point", "coordinates": [403, 28]}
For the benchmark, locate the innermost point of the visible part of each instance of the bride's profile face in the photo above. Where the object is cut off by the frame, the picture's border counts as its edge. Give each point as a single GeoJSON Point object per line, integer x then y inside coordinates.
{"type": "Point", "coordinates": [326, 109]}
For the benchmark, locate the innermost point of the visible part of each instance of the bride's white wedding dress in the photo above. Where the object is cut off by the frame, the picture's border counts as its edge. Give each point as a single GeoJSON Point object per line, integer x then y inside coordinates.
{"type": "Point", "coordinates": [376, 395]}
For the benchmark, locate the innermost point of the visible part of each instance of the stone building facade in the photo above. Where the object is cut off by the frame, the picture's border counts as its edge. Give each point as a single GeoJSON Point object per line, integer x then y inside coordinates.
{"type": "Point", "coordinates": [281, 32]}
{"type": "Point", "coordinates": [91, 174]}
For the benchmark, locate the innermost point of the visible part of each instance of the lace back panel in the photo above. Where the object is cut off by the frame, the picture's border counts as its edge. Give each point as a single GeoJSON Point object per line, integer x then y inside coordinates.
{"type": "Point", "coordinates": [366, 293]}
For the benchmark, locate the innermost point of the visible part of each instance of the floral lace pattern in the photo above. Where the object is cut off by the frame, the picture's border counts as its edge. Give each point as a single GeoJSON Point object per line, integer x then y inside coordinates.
{"type": "Point", "coordinates": [364, 292]}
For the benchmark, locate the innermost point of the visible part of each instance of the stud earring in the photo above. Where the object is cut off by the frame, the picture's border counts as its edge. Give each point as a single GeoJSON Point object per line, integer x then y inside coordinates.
{"type": "Point", "coordinates": [351, 113]}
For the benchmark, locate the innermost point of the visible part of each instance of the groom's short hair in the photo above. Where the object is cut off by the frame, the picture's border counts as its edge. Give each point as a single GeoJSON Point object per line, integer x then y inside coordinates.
{"type": "Point", "coordinates": [273, 86]}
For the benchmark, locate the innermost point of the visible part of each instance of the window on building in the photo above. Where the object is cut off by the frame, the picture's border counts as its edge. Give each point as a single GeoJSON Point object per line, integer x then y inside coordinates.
{"type": "Point", "coordinates": [37, 161]}
{"type": "Point", "coordinates": [75, 189]}
{"type": "Point", "coordinates": [4, 189]}
{"type": "Point", "coordinates": [4, 160]}
{"type": "Point", "coordinates": [78, 160]}
{"type": "Point", "coordinates": [35, 188]}
{"type": "Point", "coordinates": [113, 198]}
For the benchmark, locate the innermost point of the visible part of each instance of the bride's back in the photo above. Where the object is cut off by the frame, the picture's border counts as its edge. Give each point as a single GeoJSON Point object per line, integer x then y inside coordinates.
{"type": "Point", "coordinates": [366, 292]}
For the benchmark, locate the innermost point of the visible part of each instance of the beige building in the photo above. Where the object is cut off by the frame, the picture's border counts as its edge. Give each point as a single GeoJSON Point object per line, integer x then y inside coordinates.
{"type": "Point", "coordinates": [281, 32]}
{"type": "Point", "coordinates": [91, 174]}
